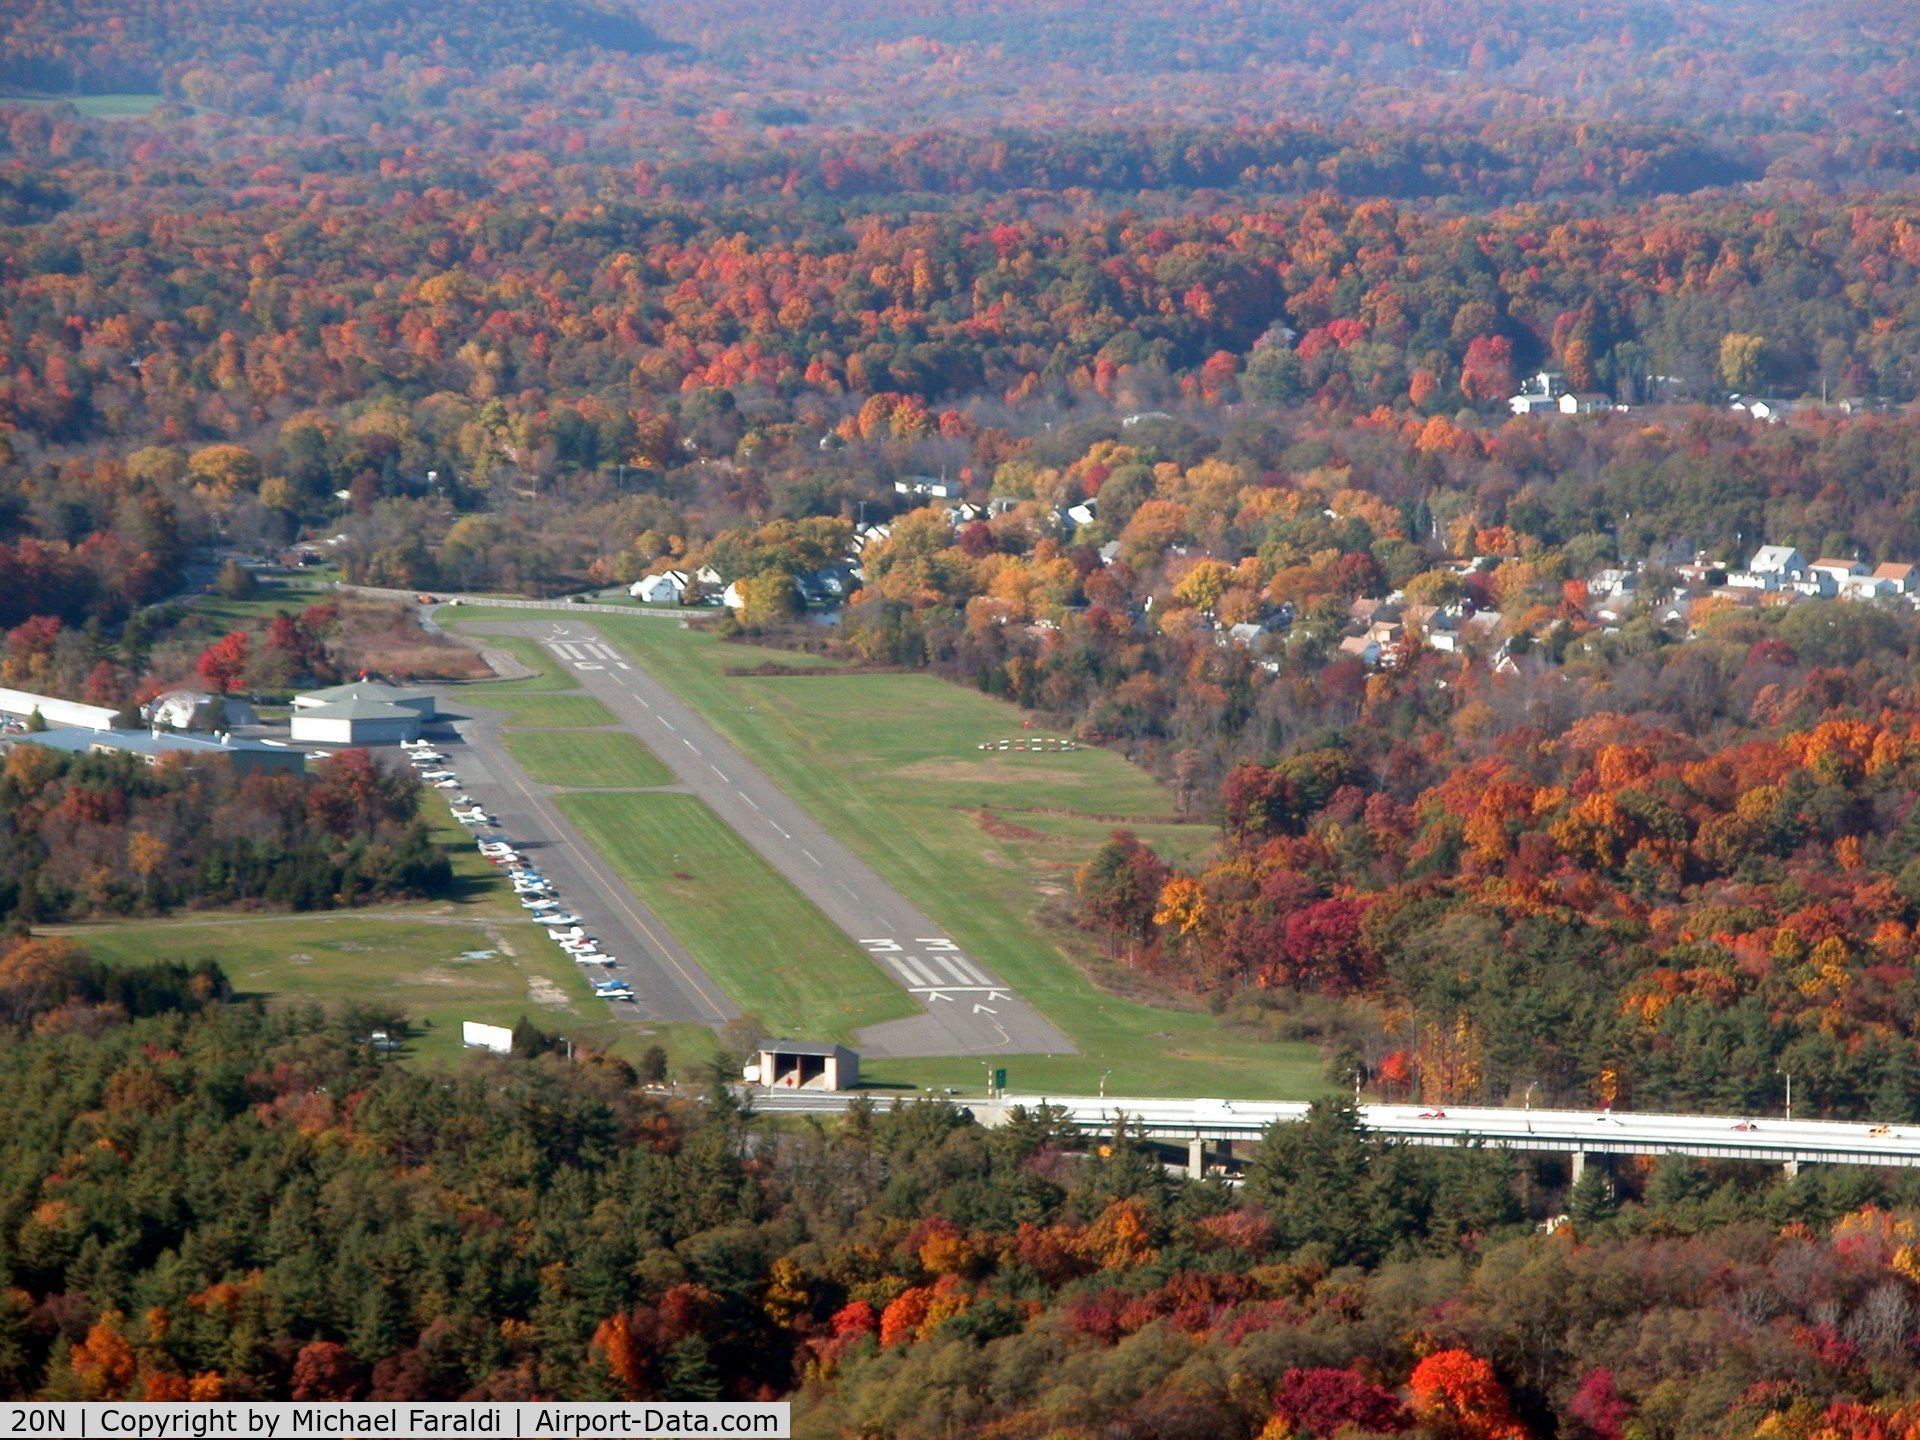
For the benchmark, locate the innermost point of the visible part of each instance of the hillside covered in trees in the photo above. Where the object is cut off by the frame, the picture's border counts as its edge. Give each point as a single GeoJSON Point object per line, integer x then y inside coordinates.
{"type": "Point", "coordinates": [1149, 368]}
{"type": "Point", "coordinates": [95, 835]}
{"type": "Point", "coordinates": [207, 1201]}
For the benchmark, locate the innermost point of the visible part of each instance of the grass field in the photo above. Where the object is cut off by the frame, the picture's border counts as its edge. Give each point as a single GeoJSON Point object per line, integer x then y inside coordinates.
{"type": "Point", "coordinates": [587, 759]}
{"type": "Point", "coordinates": [425, 960]}
{"type": "Point", "coordinates": [270, 597]}
{"type": "Point", "coordinates": [735, 913]}
{"type": "Point", "coordinates": [98, 107]}
{"type": "Point", "coordinates": [530, 653]}
{"type": "Point", "coordinates": [535, 710]}
{"type": "Point", "coordinates": [436, 965]}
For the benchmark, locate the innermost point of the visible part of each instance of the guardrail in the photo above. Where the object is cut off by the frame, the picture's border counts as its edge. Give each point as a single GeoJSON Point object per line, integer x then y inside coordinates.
{"type": "Point", "coordinates": [1576, 1132]}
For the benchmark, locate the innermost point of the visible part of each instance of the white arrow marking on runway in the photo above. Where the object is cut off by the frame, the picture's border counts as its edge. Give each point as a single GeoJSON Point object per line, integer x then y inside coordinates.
{"type": "Point", "coordinates": [717, 770]}
{"type": "Point", "coordinates": [984, 1010]}
{"type": "Point", "coordinates": [936, 995]}
{"type": "Point", "coordinates": [998, 995]}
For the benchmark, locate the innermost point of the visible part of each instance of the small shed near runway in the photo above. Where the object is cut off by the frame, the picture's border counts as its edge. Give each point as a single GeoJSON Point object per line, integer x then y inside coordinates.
{"type": "Point", "coordinates": [804, 1065]}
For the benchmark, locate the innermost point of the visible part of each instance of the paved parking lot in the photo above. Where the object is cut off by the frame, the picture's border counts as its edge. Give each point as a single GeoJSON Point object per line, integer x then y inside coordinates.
{"type": "Point", "coordinates": [668, 983]}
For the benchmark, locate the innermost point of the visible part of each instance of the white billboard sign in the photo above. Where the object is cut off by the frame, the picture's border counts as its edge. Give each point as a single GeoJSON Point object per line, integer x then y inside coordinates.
{"type": "Point", "coordinates": [486, 1037]}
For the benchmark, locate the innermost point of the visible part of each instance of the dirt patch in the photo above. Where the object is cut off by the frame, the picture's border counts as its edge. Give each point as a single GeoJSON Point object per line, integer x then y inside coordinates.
{"type": "Point", "coordinates": [431, 977]}
{"type": "Point", "coordinates": [384, 636]}
{"type": "Point", "coordinates": [1114, 819]}
{"type": "Point", "coordinates": [543, 991]}
{"type": "Point", "coordinates": [775, 670]}
{"type": "Point", "coordinates": [1001, 829]}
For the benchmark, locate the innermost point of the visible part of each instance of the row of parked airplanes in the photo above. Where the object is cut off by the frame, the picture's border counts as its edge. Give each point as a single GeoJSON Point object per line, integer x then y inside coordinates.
{"type": "Point", "coordinates": [536, 892]}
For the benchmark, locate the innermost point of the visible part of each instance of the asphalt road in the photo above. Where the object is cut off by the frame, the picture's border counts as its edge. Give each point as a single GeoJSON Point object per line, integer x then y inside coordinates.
{"type": "Point", "coordinates": [965, 1010]}
{"type": "Point", "coordinates": [668, 983]}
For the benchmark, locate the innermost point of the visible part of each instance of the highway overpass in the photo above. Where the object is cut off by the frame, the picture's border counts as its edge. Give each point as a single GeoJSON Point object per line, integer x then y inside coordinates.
{"type": "Point", "coordinates": [1579, 1134]}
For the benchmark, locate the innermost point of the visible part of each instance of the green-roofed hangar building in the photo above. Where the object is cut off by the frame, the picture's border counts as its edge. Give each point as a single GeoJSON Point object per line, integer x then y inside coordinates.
{"type": "Point", "coordinates": [364, 713]}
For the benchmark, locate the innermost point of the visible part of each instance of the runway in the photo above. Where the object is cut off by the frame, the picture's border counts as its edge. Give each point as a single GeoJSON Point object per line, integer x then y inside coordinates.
{"type": "Point", "coordinates": [965, 1008]}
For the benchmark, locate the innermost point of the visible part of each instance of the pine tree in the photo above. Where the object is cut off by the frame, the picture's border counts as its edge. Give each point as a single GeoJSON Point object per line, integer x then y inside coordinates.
{"type": "Point", "coordinates": [687, 1372]}
{"type": "Point", "coordinates": [1591, 1200]}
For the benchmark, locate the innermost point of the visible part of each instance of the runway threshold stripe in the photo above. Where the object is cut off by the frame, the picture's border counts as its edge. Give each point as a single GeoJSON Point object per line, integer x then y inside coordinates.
{"type": "Point", "coordinates": [972, 971]}
{"type": "Point", "coordinates": [927, 977]}
{"type": "Point", "coordinates": [953, 968]}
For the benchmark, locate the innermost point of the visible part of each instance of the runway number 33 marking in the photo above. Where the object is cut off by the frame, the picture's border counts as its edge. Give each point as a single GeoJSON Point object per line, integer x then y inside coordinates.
{"type": "Point", "coordinates": [892, 947]}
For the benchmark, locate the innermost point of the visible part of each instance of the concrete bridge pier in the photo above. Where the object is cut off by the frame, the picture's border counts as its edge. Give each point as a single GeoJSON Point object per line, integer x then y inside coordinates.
{"type": "Point", "coordinates": [1197, 1158]}
{"type": "Point", "coordinates": [1577, 1168]}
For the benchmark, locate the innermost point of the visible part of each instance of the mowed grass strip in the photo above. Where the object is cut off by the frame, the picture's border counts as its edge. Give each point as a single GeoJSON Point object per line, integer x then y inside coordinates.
{"type": "Point", "coordinates": [587, 759]}
{"type": "Point", "coordinates": [775, 954]}
{"type": "Point", "coordinates": [539, 712]}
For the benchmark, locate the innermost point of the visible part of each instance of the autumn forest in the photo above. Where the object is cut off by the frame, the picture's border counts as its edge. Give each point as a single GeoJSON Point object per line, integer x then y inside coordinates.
{"type": "Point", "coordinates": [1364, 415]}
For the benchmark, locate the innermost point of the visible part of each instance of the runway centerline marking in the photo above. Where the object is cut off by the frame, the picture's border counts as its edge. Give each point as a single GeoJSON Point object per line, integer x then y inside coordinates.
{"type": "Point", "coordinates": [718, 771]}
{"type": "Point", "coordinates": [810, 855]}
{"type": "Point", "coordinates": [746, 797]}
